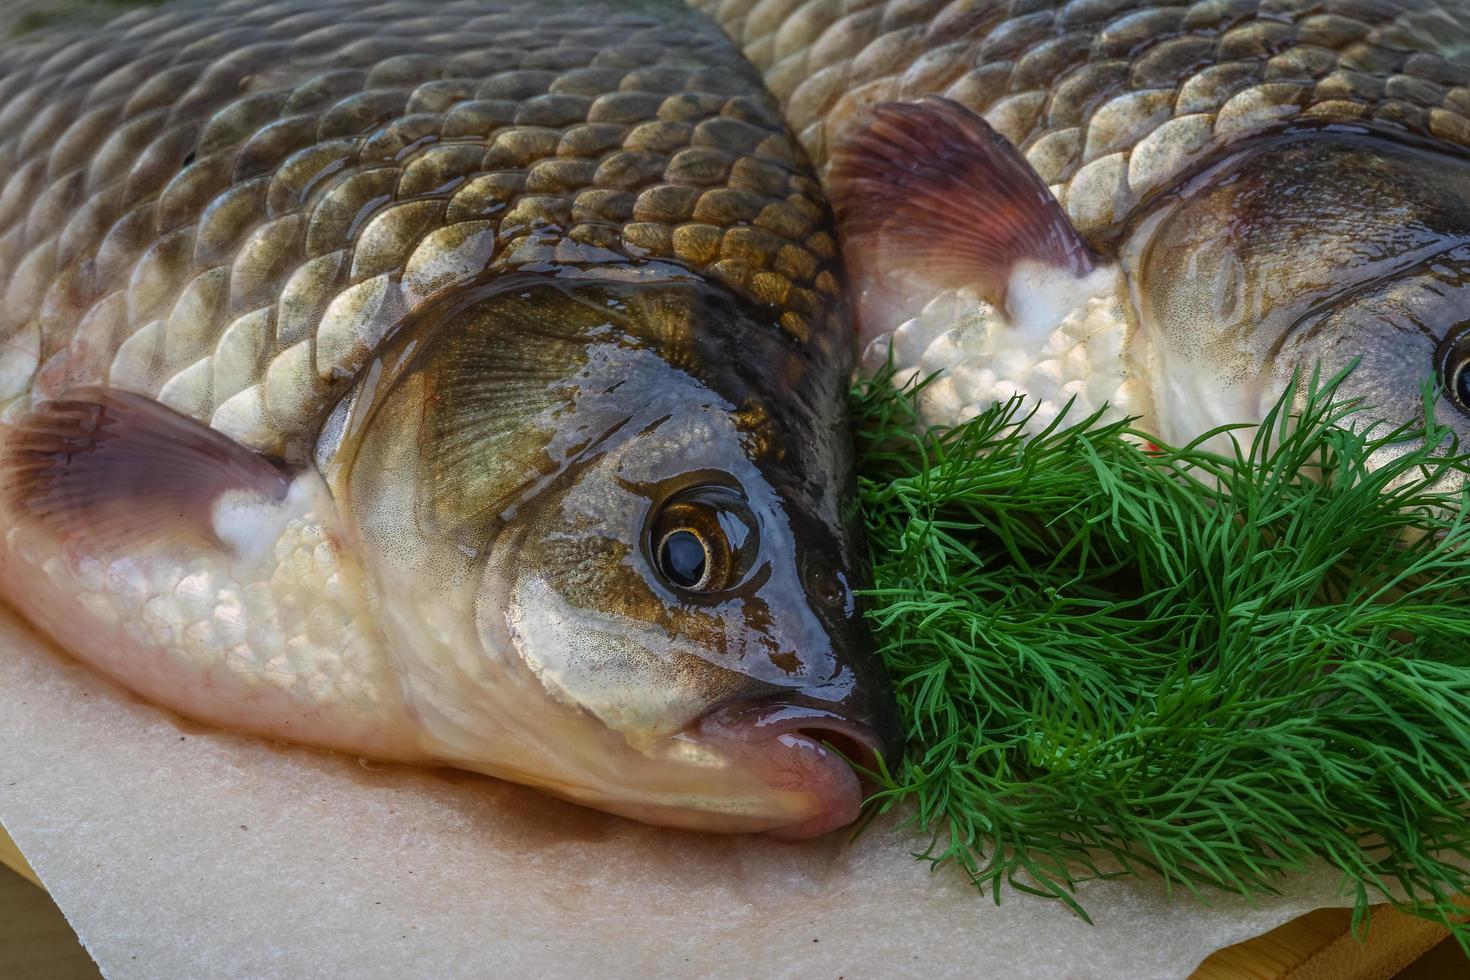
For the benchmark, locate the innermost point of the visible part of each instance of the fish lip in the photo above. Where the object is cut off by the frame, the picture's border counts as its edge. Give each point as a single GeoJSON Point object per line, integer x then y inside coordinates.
{"type": "Point", "coordinates": [782, 741]}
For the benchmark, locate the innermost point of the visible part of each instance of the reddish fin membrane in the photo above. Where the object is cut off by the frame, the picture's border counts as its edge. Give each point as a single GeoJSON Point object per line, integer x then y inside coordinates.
{"type": "Point", "coordinates": [927, 190]}
{"type": "Point", "coordinates": [111, 469]}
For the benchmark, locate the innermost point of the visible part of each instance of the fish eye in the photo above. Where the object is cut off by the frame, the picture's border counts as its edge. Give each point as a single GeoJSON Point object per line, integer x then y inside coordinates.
{"type": "Point", "coordinates": [683, 558]}
{"type": "Point", "coordinates": [1454, 367]}
{"type": "Point", "coordinates": [1462, 385]}
{"type": "Point", "coordinates": [704, 540]}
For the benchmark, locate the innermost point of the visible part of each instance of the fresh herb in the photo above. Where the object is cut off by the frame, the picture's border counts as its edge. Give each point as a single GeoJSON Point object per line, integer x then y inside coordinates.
{"type": "Point", "coordinates": [1118, 657]}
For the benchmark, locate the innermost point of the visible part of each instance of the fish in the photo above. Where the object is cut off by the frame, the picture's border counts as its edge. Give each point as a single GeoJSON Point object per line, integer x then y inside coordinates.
{"type": "Point", "coordinates": [1177, 212]}
{"type": "Point", "coordinates": [459, 385]}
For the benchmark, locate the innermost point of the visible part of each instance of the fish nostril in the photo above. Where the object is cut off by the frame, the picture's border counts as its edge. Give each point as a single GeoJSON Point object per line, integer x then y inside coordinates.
{"type": "Point", "coordinates": [827, 586]}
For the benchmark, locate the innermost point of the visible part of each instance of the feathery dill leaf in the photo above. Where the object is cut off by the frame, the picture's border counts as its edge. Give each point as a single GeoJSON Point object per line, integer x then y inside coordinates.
{"type": "Point", "coordinates": [1213, 667]}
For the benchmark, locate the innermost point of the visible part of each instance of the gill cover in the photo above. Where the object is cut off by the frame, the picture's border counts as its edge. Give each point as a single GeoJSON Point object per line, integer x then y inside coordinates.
{"type": "Point", "coordinates": [611, 554]}
{"type": "Point", "coordinates": [1328, 246]}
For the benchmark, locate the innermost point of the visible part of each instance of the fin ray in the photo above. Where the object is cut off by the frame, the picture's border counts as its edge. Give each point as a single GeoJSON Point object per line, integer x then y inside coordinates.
{"type": "Point", "coordinates": [110, 469]}
{"type": "Point", "coordinates": [929, 191]}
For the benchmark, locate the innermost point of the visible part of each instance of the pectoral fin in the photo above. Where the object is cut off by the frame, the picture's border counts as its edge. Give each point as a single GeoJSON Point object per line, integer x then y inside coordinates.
{"type": "Point", "coordinates": [112, 469]}
{"type": "Point", "coordinates": [928, 193]}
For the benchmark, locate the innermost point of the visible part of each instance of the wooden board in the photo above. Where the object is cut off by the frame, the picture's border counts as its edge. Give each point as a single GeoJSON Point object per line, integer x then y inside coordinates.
{"type": "Point", "coordinates": [10, 856]}
{"type": "Point", "coordinates": [1316, 946]}
{"type": "Point", "coordinates": [1321, 946]}
{"type": "Point", "coordinates": [35, 941]}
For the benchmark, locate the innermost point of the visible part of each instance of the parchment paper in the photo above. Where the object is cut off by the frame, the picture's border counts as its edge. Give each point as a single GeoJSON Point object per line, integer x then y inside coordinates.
{"type": "Point", "coordinates": [177, 852]}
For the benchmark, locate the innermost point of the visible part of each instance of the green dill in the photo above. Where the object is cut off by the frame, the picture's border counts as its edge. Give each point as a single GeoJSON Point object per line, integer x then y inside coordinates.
{"type": "Point", "coordinates": [1114, 656]}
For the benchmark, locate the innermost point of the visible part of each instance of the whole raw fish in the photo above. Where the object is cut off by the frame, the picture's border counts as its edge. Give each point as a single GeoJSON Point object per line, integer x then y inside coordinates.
{"type": "Point", "coordinates": [458, 383]}
{"type": "Point", "coordinates": [1169, 207]}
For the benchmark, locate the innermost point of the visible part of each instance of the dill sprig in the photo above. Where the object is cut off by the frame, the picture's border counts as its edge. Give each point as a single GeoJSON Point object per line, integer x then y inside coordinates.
{"type": "Point", "coordinates": [1115, 656]}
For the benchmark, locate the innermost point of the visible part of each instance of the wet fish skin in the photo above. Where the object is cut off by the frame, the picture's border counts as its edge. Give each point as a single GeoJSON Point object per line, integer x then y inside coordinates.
{"type": "Point", "coordinates": [1117, 106]}
{"type": "Point", "coordinates": [167, 192]}
{"type": "Point", "coordinates": [457, 306]}
{"type": "Point", "coordinates": [1111, 101]}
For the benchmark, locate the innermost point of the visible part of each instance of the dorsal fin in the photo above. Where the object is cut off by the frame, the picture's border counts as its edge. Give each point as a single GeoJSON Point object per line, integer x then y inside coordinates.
{"type": "Point", "coordinates": [928, 192]}
{"type": "Point", "coordinates": [113, 469]}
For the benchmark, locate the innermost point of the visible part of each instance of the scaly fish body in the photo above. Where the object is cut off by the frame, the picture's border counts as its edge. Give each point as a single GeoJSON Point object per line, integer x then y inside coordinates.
{"type": "Point", "coordinates": [1259, 186]}
{"type": "Point", "coordinates": [460, 385]}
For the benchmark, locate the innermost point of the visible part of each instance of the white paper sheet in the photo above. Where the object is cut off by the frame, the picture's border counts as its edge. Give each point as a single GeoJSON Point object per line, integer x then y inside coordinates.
{"type": "Point", "coordinates": [177, 852]}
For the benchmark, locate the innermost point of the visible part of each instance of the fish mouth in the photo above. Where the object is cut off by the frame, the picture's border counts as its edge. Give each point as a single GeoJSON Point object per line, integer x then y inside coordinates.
{"type": "Point", "coordinates": [802, 750]}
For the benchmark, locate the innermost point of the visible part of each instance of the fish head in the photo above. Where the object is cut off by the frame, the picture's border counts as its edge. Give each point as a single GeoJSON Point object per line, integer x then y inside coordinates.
{"type": "Point", "coordinates": [1315, 250]}
{"type": "Point", "coordinates": [606, 525]}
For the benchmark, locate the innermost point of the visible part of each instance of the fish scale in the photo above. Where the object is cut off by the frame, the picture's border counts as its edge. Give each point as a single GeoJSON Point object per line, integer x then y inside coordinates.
{"type": "Point", "coordinates": [460, 384]}
{"type": "Point", "coordinates": [1116, 105]}
{"type": "Point", "coordinates": [229, 207]}
{"type": "Point", "coordinates": [1110, 100]}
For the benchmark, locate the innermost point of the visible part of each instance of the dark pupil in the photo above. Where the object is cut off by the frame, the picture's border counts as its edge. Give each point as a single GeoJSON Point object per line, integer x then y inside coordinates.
{"type": "Point", "coordinates": [1462, 383]}
{"type": "Point", "coordinates": [682, 558]}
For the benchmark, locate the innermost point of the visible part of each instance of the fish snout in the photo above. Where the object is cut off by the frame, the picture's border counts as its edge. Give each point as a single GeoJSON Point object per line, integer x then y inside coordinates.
{"type": "Point", "coordinates": [800, 745]}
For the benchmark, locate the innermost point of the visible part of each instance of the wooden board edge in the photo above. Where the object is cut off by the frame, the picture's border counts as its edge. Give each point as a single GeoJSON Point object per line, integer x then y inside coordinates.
{"type": "Point", "coordinates": [11, 857]}
{"type": "Point", "coordinates": [1274, 954]}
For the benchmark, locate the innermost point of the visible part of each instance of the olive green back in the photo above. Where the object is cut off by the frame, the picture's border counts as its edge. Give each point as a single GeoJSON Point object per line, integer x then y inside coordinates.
{"type": "Point", "coordinates": [1112, 99]}
{"type": "Point", "coordinates": [230, 206]}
